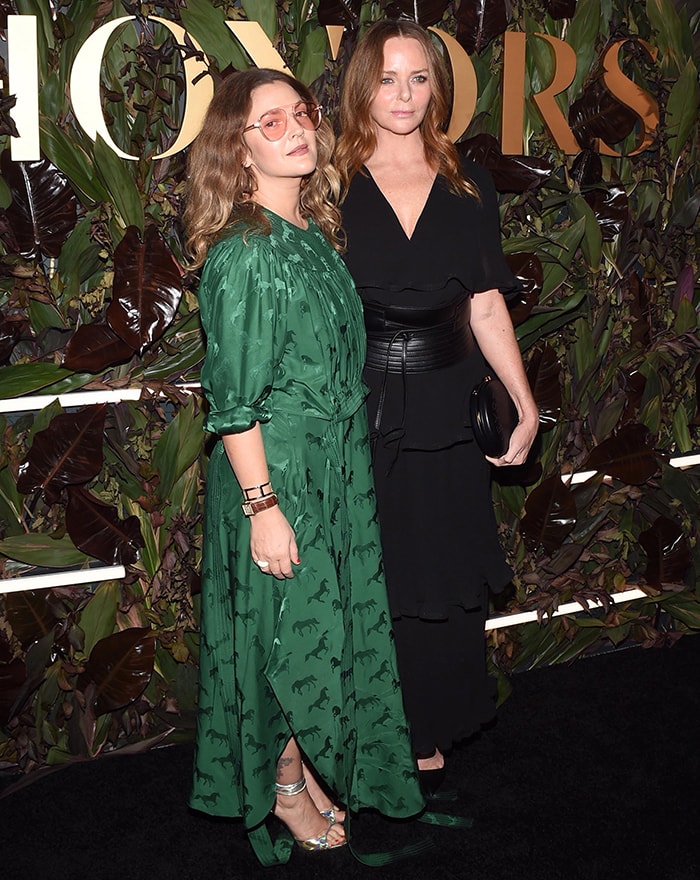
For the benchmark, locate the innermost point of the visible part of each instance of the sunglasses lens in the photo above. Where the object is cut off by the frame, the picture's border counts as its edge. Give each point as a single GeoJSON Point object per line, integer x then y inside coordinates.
{"type": "Point", "coordinates": [273, 124]}
{"type": "Point", "coordinates": [308, 115]}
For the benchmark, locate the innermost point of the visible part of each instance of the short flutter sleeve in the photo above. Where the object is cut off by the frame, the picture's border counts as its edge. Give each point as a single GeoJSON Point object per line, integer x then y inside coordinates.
{"type": "Point", "coordinates": [242, 315]}
{"type": "Point", "coordinates": [491, 269]}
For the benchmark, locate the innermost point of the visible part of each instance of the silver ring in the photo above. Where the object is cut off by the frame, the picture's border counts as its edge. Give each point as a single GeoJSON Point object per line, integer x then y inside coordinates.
{"type": "Point", "coordinates": [262, 563]}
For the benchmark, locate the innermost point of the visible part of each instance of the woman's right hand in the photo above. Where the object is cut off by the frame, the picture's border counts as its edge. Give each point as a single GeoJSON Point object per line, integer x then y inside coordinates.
{"type": "Point", "coordinates": [272, 541]}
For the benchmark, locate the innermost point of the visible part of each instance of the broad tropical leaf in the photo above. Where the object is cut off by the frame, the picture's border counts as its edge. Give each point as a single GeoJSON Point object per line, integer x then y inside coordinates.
{"type": "Point", "coordinates": [42, 550]}
{"type": "Point", "coordinates": [480, 21]}
{"type": "Point", "coordinates": [147, 288]}
{"type": "Point", "coordinates": [68, 452]}
{"type": "Point", "coordinates": [528, 270]}
{"type": "Point", "coordinates": [597, 114]}
{"type": "Point", "coordinates": [608, 200]}
{"type": "Point", "coordinates": [550, 515]}
{"type": "Point", "coordinates": [29, 615]}
{"type": "Point", "coordinates": [561, 8]}
{"type": "Point", "coordinates": [345, 12]}
{"type": "Point", "coordinates": [10, 333]}
{"type": "Point", "coordinates": [120, 668]}
{"type": "Point", "coordinates": [12, 677]}
{"type": "Point", "coordinates": [96, 529]}
{"type": "Point", "coordinates": [629, 456]}
{"type": "Point", "coordinates": [94, 347]}
{"type": "Point", "coordinates": [516, 174]}
{"type": "Point", "coordinates": [425, 12]}
{"type": "Point", "coordinates": [44, 207]}
{"type": "Point", "coordinates": [544, 373]}
{"type": "Point", "coordinates": [668, 554]}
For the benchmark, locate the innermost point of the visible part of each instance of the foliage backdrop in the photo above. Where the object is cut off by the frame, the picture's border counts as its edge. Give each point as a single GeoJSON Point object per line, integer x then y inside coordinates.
{"type": "Point", "coordinates": [93, 295]}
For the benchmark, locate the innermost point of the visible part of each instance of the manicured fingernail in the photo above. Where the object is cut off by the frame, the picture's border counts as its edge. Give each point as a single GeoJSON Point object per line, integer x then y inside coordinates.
{"type": "Point", "coordinates": [297, 561]}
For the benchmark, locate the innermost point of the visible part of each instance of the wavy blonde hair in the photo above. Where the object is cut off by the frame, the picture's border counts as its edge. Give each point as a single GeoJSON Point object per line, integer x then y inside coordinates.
{"type": "Point", "coordinates": [357, 140]}
{"type": "Point", "coordinates": [220, 190]}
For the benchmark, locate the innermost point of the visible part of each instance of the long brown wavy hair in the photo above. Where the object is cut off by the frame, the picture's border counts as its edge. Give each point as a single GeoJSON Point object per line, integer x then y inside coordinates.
{"type": "Point", "coordinates": [357, 140]}
{"type": "Point", "coordinates": [220, 190]}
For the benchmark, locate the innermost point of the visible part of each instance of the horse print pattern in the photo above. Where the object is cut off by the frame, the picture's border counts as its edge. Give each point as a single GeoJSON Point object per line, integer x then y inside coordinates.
{"type": "Point", "coordinates": [310, 657]}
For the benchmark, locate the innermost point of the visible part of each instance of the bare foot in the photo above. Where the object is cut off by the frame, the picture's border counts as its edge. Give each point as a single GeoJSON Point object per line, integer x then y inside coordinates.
{"type": "Point", "coordinates": [301, 816]}
{"type": "Point", "coordinates": [319, 796]}
{"type": "Point", "coordinates": [435, 762]}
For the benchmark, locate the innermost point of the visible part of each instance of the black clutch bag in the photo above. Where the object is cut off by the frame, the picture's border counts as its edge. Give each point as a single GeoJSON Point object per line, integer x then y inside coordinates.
{"type": "Point", "coordinates": [493, 415]}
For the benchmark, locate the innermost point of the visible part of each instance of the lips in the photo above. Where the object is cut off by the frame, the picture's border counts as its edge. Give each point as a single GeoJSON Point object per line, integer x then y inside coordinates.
{"type": "Point", "coordinates": [301, 150]}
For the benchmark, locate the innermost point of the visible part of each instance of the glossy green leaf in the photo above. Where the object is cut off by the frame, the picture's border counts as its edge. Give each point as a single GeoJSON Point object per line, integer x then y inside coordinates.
{"type": "Point", "coordinates": [682, 110]}
{"type": "Point", "coordinates": [207, 24]}
{"type": "Point", "coordinates": [668, 34]}
{"type": "Point", "coordinates": [75, 162]}
{"type": "Point", "coordinates": [179, 445]}
{"type": "Point", "coordinates": [265, 13]}
{"type": "Point", "coordinates": [557, 256]}
{"type": "Point", "coordinates": [592, 241]}
{"type": "Point", "coordinates": [118, 180]}
{"type": "Point", "coordinates": [97, 619]}
{"type": "Point", "coordinates": [21, 379]}
{"type": "Point", "coordinates": [313, 56]}
{"type": "Point", "coordinates": [581, 36]}
{"type": "Point", "coordinates": [43, 551]}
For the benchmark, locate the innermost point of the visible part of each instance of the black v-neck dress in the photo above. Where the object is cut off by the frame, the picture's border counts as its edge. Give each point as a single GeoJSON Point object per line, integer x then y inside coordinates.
{"type": "Point", "coordinates": [439, 536]}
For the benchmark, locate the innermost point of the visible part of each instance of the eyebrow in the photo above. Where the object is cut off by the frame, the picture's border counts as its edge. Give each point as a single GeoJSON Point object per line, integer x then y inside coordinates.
{"type": "Point", "coordinates": [412, 73]}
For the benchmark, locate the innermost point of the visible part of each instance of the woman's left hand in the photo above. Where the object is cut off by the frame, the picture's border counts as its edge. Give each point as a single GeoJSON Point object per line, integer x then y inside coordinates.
{"type": "Point", "coordinates": [521, 440]}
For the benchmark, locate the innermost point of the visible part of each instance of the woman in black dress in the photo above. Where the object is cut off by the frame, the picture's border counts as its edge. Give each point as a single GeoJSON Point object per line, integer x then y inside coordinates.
{"type": "Point", "coordinates": [423, 246]}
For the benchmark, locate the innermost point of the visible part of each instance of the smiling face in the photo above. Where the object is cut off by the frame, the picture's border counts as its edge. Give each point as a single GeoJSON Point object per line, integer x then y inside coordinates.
{"type": "Point", "coordinates": [401, 101]}
{"type": "Point", "coordinates": [290, 158]}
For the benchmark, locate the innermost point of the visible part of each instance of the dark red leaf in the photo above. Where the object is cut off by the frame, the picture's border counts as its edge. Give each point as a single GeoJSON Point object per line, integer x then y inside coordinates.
{"type": "Point", "coordinates": [668, 554]}
{"type": "Point", "coordinates": [696, 418]}
{"type": "Point", "coordinates": [147, 288]}
{"type": "Point", "coordinates": [634, 295]}
{"type": "Point", "coordinates": [629, 456]}
{"type": "Point", "coordinates": [480, 21]}
{"type": "Point", "coordinates": [10, 333]}
{"type": "Point", "coordinates": [516, 174]}
{"type": "Point", "coordinates": [12, 678]}
{"type": "Point", "coordinates": [68, 452]}
{"type": "Point", "coordinates": [550, 515]}
{"type": "Point", "coordinates": [633, 384]}
{"type": "Point", "coordinates": [29, 615]}
{"type": "Point", "coordinates": [43, 212]}
{"type": "Point", "coordinates": [597, 114]}
{"type": "Point", "coordinates": [528, 270]}
{"type": "Point", "coordinates": [607, 199]}
{"type": "Point", "coordinates": [561, 8]}
{"type": "Point", "coordinates": [119, 667]}
{"type": "Point", "coordinates": [345, 12]}
{"type": "Point", "coordinates": [428, 11]}
{"type": "Point", "coordinates": [544, 375]}
{"type": "Point", "coordinates": [94, 347]}
{"type": "Point", "coordinates": [95, 528]}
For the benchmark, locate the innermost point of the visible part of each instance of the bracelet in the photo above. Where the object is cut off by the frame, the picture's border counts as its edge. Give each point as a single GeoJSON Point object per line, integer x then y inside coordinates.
{"type": "Point", "coordinates": [250, 508]}
{"type": "Point", "coordinates": [259, 490]}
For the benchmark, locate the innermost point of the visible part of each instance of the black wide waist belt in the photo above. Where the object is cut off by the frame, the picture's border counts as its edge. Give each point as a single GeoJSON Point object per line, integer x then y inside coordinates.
{"type": "Point", "coordinates": [416, 340]}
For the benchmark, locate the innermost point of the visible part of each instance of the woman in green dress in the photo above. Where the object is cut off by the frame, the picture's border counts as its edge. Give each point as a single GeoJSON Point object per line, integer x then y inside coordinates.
{"type": "Point", "coordinates": [299, 703]}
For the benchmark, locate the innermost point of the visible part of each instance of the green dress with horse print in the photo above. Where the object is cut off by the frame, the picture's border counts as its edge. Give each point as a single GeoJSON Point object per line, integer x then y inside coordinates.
{"type": "Point", "coordinates": [310, 657]}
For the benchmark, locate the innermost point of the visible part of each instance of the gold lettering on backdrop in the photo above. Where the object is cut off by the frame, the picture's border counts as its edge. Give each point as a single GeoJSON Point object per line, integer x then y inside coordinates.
{"type": "Point", "coordinates": [257, 44]}
{"type": "Point", "coordinates": [564, 72]}
{"type": "Point", "coordinates": [198, 92]}
{"type": "Point", "coordinates": [464, 85]}
{"type": "Point", "coordinates": [629, 93]}
{"type": "Point", "coordinates": [335, 35]}
{"type": "Point", "coordinates": [85, 92]}
{"type": "Point", "coordinates": [513, 91]}
{"type": "Point", "coordinates": [86, 96]}
{"type": "Point", "coordinates": [23, 76]}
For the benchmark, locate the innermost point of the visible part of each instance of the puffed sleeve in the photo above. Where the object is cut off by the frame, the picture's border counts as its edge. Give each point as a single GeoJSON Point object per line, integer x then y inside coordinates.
{"type": "Point", "coordinates": [241, 308]}
{"type": "Point", "coordinates": [492, 271]}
